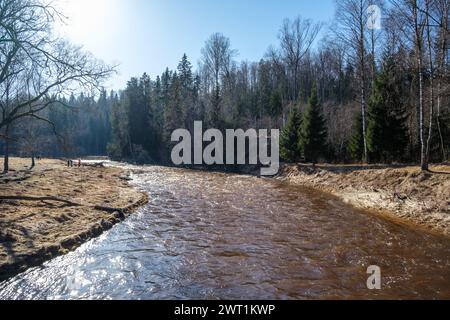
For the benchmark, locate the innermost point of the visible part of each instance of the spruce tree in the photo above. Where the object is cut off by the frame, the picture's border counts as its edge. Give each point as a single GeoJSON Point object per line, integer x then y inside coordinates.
{"type": "Point", "coordinates": [185, 73]}
{"type": "Point", "coordinates": [276, 104]}
{"type": "Point", "coordinates": [313, 132]}
{"type": "Point", "coordinates": [173, 113]}
{"type": "Point", "coordinates": [356, 143]}
{"type": "Point", "coordinates": [289, 139]}
{"type": "Point", "coordinates": [137, 107]}
{"type": "Point", "coordinates": [386, 133]}
{"type": "Point", "coordinates": [186, 81]}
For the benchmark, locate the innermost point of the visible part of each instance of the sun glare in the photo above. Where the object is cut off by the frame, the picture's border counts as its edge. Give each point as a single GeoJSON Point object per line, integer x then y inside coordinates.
{"type": "Point", "coordinates": [86, 18]}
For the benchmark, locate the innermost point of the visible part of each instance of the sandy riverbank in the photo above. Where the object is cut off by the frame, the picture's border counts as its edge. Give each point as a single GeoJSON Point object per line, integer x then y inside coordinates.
{"type": "Point", "coordinates": [403, 194]}
{"type": "Point", "coordinates": [52, 209]}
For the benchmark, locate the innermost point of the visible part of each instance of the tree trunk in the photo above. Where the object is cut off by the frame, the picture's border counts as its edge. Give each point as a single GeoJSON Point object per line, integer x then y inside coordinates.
{"type": "Point", "coordinates": [6, 150]}
{"type": "Point", "coordinates": [441, 74]}
{"type": "Point", "coordinates": [423, 148]}
{"type": "Point", "coordinates": [419, 55]}
{"type": "Point", "coordinates": [362, 74]}
{"type": "Point", "coordinates": [33, 162]}
{"type": "Point", "coordinates": [6, 160]}
{"type": "Point", "coordinates": [430, 52]}
{"type": "Point", "coordinates": [364, 129]}
{"type": "Point", "coordinates": [438, 122]}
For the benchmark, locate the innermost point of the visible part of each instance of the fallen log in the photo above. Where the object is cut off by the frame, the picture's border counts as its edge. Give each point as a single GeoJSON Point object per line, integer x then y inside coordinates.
{"type": "Point", "coordinates": [108, 209]}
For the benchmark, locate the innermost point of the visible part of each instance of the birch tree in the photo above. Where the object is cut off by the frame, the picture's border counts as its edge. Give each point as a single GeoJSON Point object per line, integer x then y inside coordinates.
{"type": "Point", "coordinates": [351, 29]}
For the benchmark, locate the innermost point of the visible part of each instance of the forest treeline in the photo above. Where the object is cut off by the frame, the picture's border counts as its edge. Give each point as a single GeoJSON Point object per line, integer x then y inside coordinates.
{"type": "Point", "coordinates": [342, 92]}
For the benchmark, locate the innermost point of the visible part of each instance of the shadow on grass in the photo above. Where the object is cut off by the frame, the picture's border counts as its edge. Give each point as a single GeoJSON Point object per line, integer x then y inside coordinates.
{"type": "Point", "coordinates": [439, 172]}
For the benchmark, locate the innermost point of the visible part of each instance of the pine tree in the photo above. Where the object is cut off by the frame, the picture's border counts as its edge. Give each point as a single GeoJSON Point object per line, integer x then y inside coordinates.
{"type": "Point", "coordinates": [313, 133]}
{"type": "Point", "coordinates": [289, 139]}
{"type": "Point", "coordinates": [386, 133]}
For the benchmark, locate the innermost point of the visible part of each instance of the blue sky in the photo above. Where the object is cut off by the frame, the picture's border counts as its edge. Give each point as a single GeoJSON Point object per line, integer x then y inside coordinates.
{"type": "Point", "coordinates": [150, 35]}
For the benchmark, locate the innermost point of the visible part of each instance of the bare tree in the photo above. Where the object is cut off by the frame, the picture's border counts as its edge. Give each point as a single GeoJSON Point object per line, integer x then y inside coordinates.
{"type": "Point", "coordinates": [216, 62]}
{"type": "Point", "coordinates": [296, 38]}
{"type": "Point", "coordinates": [419, 23]}
{"type": "Point", "coordinates": [351, 29]}
{"type": "Point", "coordinates": [36, 68]}
{"type": "Point", "coordinates": [33, 138]}
{"type": "Point", "coordinates": [412, 19]}
{"type": "Point", "coordinates": [442, 10]}
{"type": "Point", "coordinates": [279, 70]}
{"type": "Point", "coordinates": [431, 65]}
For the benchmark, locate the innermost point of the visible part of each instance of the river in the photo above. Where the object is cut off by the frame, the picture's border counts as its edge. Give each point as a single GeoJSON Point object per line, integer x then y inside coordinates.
{"type": "Point", "coordinates": [223, 236]}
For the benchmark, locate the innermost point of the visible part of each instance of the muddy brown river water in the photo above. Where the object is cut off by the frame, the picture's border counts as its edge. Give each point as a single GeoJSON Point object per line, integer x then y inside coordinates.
{"type": "Point", "coordinates": [222, 236]}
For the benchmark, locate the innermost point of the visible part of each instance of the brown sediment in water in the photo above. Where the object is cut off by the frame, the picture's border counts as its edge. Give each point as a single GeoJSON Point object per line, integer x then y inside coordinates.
{"type": "Point", "coordinates": [53, 209]}
{"type": "Point", "coordinates": [402, 194]}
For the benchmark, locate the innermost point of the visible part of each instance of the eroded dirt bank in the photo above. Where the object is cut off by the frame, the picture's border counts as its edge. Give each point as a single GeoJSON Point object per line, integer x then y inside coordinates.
{"type": "Point", "coordinates": [52, 209]}
{"type": "Point", "coordinates": [403, 194]}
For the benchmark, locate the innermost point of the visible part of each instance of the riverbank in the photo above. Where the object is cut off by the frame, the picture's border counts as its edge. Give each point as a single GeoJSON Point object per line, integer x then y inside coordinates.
{"type": "Point", "coordinates": [403, 194]}
{"type": "Point", "coordinates": [53, 209]}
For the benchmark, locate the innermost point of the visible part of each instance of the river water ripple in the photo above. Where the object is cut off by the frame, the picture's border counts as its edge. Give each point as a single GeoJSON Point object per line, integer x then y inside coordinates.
{"type": "Point", "coordinates": [221, 236]}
